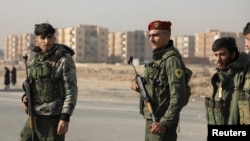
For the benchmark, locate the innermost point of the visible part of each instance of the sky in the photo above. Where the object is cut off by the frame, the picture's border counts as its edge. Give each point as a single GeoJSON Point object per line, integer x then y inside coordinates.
{"type": "Point", "coordinates": [187, 16]}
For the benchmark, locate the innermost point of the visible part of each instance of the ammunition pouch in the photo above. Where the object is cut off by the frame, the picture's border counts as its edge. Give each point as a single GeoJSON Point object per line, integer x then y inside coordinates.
{"type": "Point", "coordinates": [244, 107]}
{"type": "Point", "coordinates": [43, 90]}
{"type": "Point", "coordinates": [49, 108]}
{"type": "Point", "coordinates": [214, 111]}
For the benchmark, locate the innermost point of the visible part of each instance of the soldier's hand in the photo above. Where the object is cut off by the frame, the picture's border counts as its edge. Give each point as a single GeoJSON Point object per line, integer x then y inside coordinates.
{"type": "Point", "coordinates": [157, 128]}
{"type": "Point", "coordinates": [134, 85]}
{"type": "Point", "coordinates": [62, 127]}
{"type": "Point", "coordinates": [24, 101]}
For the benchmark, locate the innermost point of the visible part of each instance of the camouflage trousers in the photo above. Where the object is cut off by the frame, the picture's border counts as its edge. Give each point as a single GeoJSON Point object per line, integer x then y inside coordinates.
{"type": "Point", "coordinates": [169, 135]}
{"type": "Point", "coordinates": [44, 130]}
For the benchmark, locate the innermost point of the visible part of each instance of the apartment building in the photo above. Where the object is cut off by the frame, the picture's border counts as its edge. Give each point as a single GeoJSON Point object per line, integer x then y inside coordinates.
{"type": "Point", "coordinates": [185, 44]}
{"type": "Point", "coordinates": [89, 42]}
{"type": "Point", "coordinates": [93, 44]}
{"type": "Point", "coordinates": [16, 46]}
{"type": "Point", "coordinates": [123, 45]}
{"type": "Point", "coordinates": [120, 46]}
{"type": "Point", "coordinates": [10, 43]}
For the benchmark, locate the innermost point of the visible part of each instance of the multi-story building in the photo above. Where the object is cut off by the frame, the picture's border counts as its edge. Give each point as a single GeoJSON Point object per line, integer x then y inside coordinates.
{"type": "Point", "coordinates": [89, 42]}
{"type": "Point", "coordinates": [123, 45]}
{"type": "Point", "coordinates": [11, 45]}
{"type": "Point", "coordinates": [25, 42]}
{"type": "Point", "coordinates": [16, 46]}
{"type": "Point", "coordinates": [185, 44]}
{"type": "Point", "coordinates": [93, 44]}
{"type": "Point", "coordinates": [116, 47]}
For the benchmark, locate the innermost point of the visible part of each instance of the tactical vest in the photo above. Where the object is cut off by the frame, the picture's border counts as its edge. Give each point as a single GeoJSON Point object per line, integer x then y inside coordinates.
{"type": "Point", "coordinates": [216, 106]}
{"type": "Point", "coordinates": [157, 86]}
{"type": "Point", "coordinates": [244, 101]}
{"type": "Point", "coordinates": [45, 86]}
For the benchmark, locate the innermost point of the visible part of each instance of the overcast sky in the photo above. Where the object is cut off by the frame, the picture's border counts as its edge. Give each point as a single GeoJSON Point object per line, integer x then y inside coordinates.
{"type": "Point", "coordinates": [187, 16]}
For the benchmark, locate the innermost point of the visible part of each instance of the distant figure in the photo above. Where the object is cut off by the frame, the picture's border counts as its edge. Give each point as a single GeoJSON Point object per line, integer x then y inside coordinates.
{"type": "Point", "coordinates": [13, 75]}
{"type": "Point", "coordinates": [6, 78]}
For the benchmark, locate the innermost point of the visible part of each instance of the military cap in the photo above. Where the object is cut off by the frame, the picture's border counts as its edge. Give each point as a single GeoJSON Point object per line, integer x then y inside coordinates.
{"type": "Point", "coordinates": [165, 25]}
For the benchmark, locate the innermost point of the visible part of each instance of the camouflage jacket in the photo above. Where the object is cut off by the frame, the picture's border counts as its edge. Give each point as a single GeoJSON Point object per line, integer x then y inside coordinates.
{"type": "Point", "coordinates": [56, 92]}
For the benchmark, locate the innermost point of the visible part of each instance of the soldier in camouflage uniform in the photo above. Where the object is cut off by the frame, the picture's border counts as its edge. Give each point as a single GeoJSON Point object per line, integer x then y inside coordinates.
{"type": "Point", "coordinates": [164, 82]}
{"type": "Point", "coordinates": [230, 101]}
{"type": "Point", "coordinates": [246, 33]}
{"type": "Point", "coordinates": [53, 87]}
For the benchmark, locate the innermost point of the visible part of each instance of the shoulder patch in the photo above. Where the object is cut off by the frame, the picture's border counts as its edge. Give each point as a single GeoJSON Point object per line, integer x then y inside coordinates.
{"type": "Point", "coordinates": [178, 73]}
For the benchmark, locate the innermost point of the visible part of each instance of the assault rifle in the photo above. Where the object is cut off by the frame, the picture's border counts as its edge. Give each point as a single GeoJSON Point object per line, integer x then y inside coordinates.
{"type": "Point", "coordinates": [26, 88]}
{"type": "Point", "coordinates": [142, 90]}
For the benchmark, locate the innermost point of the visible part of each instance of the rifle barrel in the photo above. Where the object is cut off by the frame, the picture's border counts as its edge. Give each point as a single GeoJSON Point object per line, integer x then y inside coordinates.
{"type": "Point", "coordinates": [29, 98]}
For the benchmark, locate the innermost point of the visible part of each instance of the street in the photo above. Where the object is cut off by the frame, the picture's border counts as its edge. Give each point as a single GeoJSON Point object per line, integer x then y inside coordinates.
{"type": "Point", "coordinates": [95, 120]}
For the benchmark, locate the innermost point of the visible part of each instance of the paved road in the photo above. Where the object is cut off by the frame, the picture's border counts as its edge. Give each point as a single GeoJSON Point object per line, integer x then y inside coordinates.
{"type": "Point", "coordinates": [95, 120]}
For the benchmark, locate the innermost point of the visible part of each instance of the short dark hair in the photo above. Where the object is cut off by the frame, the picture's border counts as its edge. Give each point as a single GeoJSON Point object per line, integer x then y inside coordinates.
{"type": "Point", "coordinates": [225, 42]}
{"type": "Point", "coordinates": [44, 29]}
{"type": "Point", "coordinates": [246, 29]}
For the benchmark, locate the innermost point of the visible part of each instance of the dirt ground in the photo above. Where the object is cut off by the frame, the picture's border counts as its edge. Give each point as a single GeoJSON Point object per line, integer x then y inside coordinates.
{"type": "Point", "coordinates": [106, 81]}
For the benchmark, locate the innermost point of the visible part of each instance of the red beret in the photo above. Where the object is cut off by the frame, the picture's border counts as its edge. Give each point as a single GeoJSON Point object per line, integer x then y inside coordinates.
{"type": "Point", "coordinates": [166, 25]}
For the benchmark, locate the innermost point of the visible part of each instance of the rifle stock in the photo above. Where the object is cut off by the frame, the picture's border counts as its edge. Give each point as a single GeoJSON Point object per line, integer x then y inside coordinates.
{"type": "Point", "coordinates": [26, 88]}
